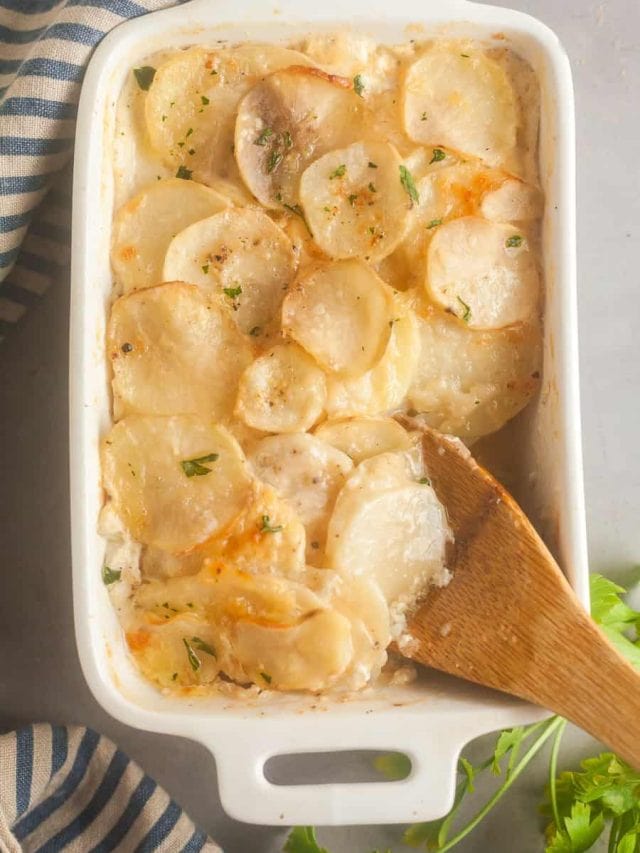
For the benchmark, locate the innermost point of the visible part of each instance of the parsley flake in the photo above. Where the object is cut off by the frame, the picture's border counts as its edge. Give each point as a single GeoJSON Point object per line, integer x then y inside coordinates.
{"type": "Point", "coordinates": [352, 198]}
{"type": "Point", "coordinates": [205, 268]}
{"type": "Point", "coordinates": [144, 76]}
{"type": "Point", "coordinates": [275, 158]}
{"type": "Point", "coordinates": [264, 136]}
{"type": "Point", "coordinates": [514, 241]}
{"type": "Point", "coordinates": [372, 188]}
{"type": "Point", "coordinates": [267, 527]}
{"type": "Point", "coordinates": [358, 85]}
{"type": "Point", "coordinates": [266, 677]}
{"type": "Point", "coordinates": [424, 481]}
{"type": "Point", "coordinates": [192, 657]}
{"type": "Point", "coordinates": [338, 172]}
{"type": "Point", "coordinates": [466, 315]}
{"type": "Point", "coordinates": [196, 467]}
{"type": "Point", "coordinates": [184, 173]}
{"type": "Point", "coordinates": [110, 575]}
{"type": "Point", "coordinates": [232, 292]}
{"type": "Point", "coordinates": [406, 179]}
{"type": "Point", "coordinates": [203, 647]}
{"type": "Point", "coordinates": [204, 100]}
{"type": "Point", "coordinates": [255, 331]}
{"type": "Point", "coordinates": [438, 155]}
{"type": "Point", "coordinates": [434, 223]}
{"type": "Point", "coordinates": [372, 165]}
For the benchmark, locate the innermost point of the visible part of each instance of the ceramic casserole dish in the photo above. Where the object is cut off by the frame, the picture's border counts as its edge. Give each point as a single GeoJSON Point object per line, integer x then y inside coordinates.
{"type": "Point", "coordinates": [433, 718]}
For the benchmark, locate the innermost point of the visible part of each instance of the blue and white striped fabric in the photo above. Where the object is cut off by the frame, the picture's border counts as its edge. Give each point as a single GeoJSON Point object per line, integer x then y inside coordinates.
{"type": "Point", "coordinates": [70, 789]}
{"type": "Point", "coordinates": [44, 49]}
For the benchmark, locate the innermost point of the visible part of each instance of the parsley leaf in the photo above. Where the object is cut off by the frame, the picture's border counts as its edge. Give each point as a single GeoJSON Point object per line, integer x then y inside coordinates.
{"type": "Point", "coordinates": [203, 647]}
{"type": "Point", "coordinates": [514, 241]}
{"type": "Point", "coordinates": [466, 310]}
{"type": "Point", "coordinates": [267, 527]}
{"type": "Point", "coordinates": [144, 76]}
{"type": "Point", "coordinates": [264, 136]}
{"type": "Point", "coordinates": [338, 172]}
{"type": "Point", "coordinates": [580, 832]}
{"type": "Point", "coordinates": [406, 179]}
{"type": "Point", "coordinates": [358, 85]}
{"type": "Point", "coordinates": [196, 467]}
{"type": "Point", "coordinates": [110, 575]}
{"type": "Point", "coordinates": [302, 839]}
{"type": "Point", "coordinates": [438, 155]}
{"type": "Point", "coordinates": [434, 223]}
{"type": "Point", "coordinates": [184, 173]}
{"type": "Point", "coordinates": [192, 657]}
{"type": "Point", "coordinates": [266, 677]}
{"type": "Point", "coordinates": [232, 292]}
{"type": "Point", "coordinates": [274, 160]}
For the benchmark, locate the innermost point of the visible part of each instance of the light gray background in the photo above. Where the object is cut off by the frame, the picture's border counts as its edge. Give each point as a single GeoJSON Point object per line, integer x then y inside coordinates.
{"type": "Point", "coordinates": [40, 677]}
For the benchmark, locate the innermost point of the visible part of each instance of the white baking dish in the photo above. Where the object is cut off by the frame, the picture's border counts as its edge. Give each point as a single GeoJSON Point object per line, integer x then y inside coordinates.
{"type": "Point", "coordinates": [430, 720]}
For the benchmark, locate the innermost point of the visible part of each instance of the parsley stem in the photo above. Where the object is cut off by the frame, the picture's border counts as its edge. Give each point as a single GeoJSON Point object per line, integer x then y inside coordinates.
{"type": "Point", "coordinates": [549, 727]}
{"type": "Point", "coordinates": [613, 835]}
{"type": "Point", "coordinates": [553, 772]}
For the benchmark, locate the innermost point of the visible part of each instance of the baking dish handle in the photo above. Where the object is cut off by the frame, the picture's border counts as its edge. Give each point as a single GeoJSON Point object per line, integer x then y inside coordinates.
{"type": "Point", "coordinates": [426, 794]}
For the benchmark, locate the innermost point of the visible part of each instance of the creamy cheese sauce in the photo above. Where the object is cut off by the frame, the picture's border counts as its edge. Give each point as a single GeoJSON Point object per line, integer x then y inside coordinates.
{"type": "Point", "coordinates": [307, 240]}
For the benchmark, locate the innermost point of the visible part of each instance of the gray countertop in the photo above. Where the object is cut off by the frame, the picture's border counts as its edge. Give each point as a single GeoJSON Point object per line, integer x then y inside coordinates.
{"type": "Point", "coordinates": [40, 677]}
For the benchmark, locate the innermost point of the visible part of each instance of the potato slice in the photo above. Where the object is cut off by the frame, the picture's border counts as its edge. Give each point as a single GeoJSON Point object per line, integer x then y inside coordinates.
{"type": "Point", "coordinates": [461, 100]}
{"type": "Point", "coordinates": [361, 438]}
{"type": "Point", "coordinates": [512, 201]}
{"type": "Point", "coordinates": [340, 313]}
{"type": "Point", "coordinates": [158, 564]}
{"type": "Point", "coordinates": [174, 481]}
{"type": "Point", "coordinates": [355, 202]}
{"type": "Point", "coordinates": [191, 105]}
{"type": "Point", "coordinates": [282, 391]}
{"type": "Point", "coordinates": [174, 351]}
{"type": "Point", "coordinates": [267, 537]}
{"type": "Point", "coordinates": [309, 656]}
{"type": "Point", "coordinates": [307, 473]}
{"type": "Point", "coordinates": [286, 122]}
{"type": "Point", "coordinates": [483, 272]}
{"type": "Point", "coordinates": [242, 255]}
{"type": "Point", "coordinates": [389, 528]}
{"type": "Point", "coordinates": [470, 382]}
{"type": "Point", "coordinates": [384, 386]}
{"type": "Point", "coordinates": [145, 225]}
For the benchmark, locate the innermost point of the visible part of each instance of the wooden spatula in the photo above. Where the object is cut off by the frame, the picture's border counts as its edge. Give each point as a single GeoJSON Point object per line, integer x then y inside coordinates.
{"type": "Point", "coordinates": [509, 619]}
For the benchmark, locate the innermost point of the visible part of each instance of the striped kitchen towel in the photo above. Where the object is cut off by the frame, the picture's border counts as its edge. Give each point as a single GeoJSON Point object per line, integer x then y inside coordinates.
{"type": "Point", "coordinates": [70, 789]}
{"type": "Point", "coordinates": [44, 49]}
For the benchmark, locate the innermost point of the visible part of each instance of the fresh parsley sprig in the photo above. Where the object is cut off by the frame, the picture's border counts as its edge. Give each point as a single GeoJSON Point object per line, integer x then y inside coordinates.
{"type": "Point", "coordinates": [602, 796]}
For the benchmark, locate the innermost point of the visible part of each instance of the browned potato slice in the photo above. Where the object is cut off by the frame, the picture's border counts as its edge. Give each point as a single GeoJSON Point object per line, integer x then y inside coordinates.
{"type": "Point", "coordinates": [286, 122]}
{"type": "Point", "coordinates": [241, 255]}
{"type": "Point", "coordinates": [460, 98]}
{"type": "Point", "coordinates": [470, 382]}
{"type": "Point", "coordinates": [191, 104]}
{"type": "Point", "coordinates": [145, 225]}
{"type": "Point", "coordinates": [282, 391]}
{"type": "Point", "coordinates": [483, 272]}
{"type": "Point", "coordinates": [174, 351]}
{"type": "Point", "coordinates": [341, 314]}
{"type": "Point", "coordinates": [174, 481]}
{"type": "Point", "coordinates": [357, 200]}
{"type": "Point", "coordinates": [308, 474]}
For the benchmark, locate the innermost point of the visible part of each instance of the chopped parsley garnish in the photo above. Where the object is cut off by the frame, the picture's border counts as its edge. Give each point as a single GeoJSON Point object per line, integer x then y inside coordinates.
{"type": "Point", "coordinates": [358, 85]}
{"type": "Point", "coordinates": [338, 172]}
{"type": "Point", "coordinates": [514, 241]}
{"type": "Point", "coordinates": [466, 315]}
{"type": "Point", "coordinates": [197, 467]}
{"type": "Point", "coordinates": [184, 173]}
{"type": "Point", "coordinates": [352, 198]}
{"type": "Point", "coordinates": [126, 347]}
{"type": "Point", "coordinates": [275, 158]}
{"type": "Point", "coordinates": [372, 188]}
{"type": "Point", "coordinates": [255, 331]}
{"type": "Point", "coordinates": [110, 575]}
{"type": "Point", "coordinates": [287, 140]}
{"type": "Point", "coordinates": [232, 292]}
{"type": "Point", "coordinates": [144, 76]}
{"type": "Point", "coordinates": [266, 677]}
{"type": "Point", "coordinates": [174, 676]}
{"type": "Point", "coordinates": [205, 268]}
{"type": "Point", "coordinates": [424, 481]}
{"type": "Point", "coordinates": [423, 117]}
{"type": "Point", "coordinates": [372, 165]}
{"type": "Point", "coordinates": [264, 136]}
{"type": "Point", "coordinates": [465, 55]}
{"type": "Point", "coordinates": [434, 223]}
{"type": "Point", "coordinates": [193, 658]}
{"type": "Point", "coordinates": [406, 179]}
{"type": "Point", "coordinates": [293, 208]}
{"type": "Point", "coordinates": [188, 133]}
{"type": "Point", "coordinates": [267, 527]}
{"type": "Point", "coordinates": [203, 647]}
{"type": "Point", "coordinates": [438, 155]}
{"type": "Point", "coordinates": [205, 101]}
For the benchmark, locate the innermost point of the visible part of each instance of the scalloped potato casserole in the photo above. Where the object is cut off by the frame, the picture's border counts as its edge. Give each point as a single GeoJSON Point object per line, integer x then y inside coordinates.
{"type": "Point", "coordinates": [307, 241]}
